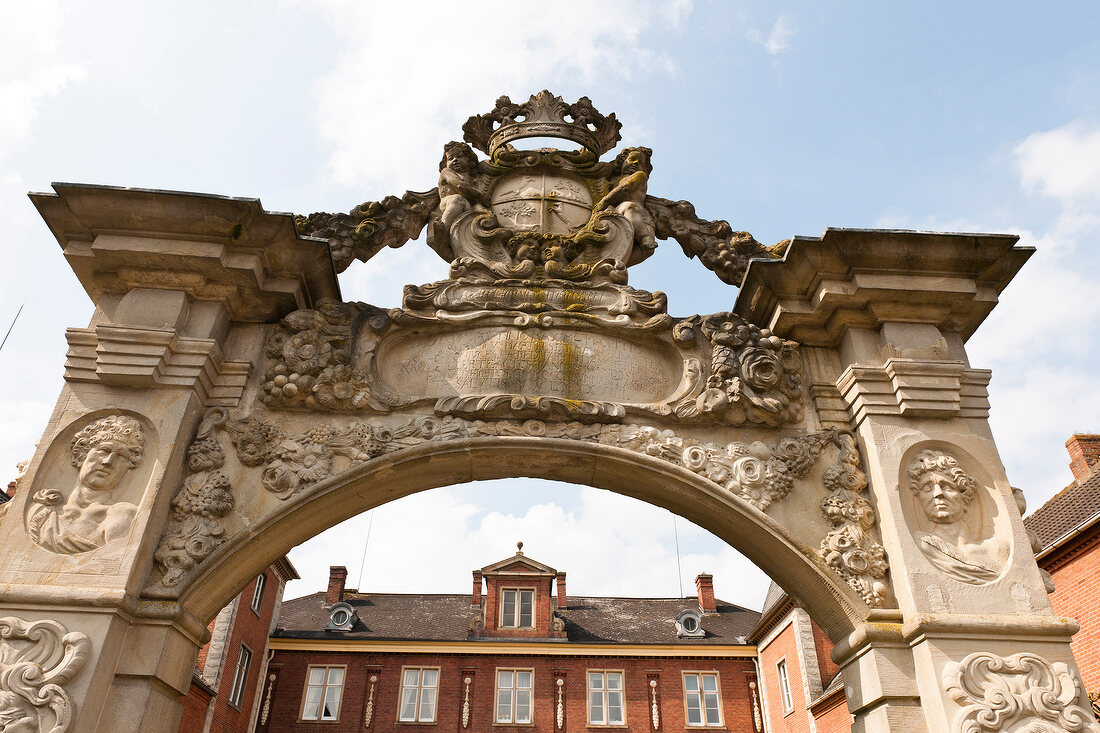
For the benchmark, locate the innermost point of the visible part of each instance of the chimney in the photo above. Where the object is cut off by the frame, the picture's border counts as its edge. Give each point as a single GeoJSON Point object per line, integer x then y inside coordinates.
{"type": "Point", "coordinates": [337, 574]}
{"type": "Point", "coordinates": [704, 585]}
{"type": "Point", "coordinates": [1084, 454]}
{"type": "Point", "coordinates": [475, 599]}
{"type": "Point", "coordinates": [559, 581]}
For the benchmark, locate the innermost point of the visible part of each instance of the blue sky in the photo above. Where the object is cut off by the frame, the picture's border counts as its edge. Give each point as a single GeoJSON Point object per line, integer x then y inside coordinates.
{"type": "Point", "coordinates": [783, 118]}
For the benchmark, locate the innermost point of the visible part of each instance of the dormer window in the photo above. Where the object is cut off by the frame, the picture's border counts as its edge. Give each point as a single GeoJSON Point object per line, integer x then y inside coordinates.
{"type": "Point", "coordinates": [517, 608]}
{"type": "Point", "coordinates": [688, 623]}
{"type": "Point", "coordinates": [341, 617]}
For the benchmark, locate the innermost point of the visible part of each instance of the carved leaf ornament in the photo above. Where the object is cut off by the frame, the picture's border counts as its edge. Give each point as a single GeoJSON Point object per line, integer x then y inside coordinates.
{"type": "Point", "coordinates": [36, 659]}
{"type": "Point", "coordinates": [1022, 692]}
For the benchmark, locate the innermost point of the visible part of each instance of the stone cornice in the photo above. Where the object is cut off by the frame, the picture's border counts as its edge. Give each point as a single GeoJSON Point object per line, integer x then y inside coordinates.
{"type": "Point", "coordinates": [866, 277]}
{"type": "Point", "coordinates": [541, 649]}
{"type": "Point", "coordinates": [212, 247]}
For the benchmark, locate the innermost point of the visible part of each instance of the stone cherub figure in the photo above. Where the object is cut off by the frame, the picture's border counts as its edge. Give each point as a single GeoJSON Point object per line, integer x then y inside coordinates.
{"type": "Point", "coordinates": [945, 493]}
{"type": "Point", "coordinates": [103, 452]}
{"type": "Point", "coordinates": [627, 197]}
{"type": "Point", "coordinates": [460, 187]}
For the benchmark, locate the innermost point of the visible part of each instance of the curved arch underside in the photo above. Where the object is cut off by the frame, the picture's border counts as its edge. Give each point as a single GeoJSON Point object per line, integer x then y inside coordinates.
{"type": "Point", "coordinates": [768, 544]}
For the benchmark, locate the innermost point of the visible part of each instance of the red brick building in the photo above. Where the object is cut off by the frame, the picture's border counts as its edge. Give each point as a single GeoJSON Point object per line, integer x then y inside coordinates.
{"type": "Point", "coordinates": [1068, 532]}
{"type": "Point", "coordinates": [230, 670]}
{"type": "Point", "coordinates": [800, 686]}
{"type": "Point", "coordinates": [515, 652]}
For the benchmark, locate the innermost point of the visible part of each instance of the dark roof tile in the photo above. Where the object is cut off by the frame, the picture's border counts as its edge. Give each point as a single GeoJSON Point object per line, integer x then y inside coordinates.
{"type": "Point", "coordinates": [1068, 509]}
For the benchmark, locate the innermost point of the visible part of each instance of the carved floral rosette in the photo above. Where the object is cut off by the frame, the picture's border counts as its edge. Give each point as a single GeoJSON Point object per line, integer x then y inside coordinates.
{"type": "Point", "coordinates": [849, 549]}
{"type": "Point", "coordinates": [291, 464]}
{"type": "Point", "coordinates": [37, 658]}
{"type": "Point", "coordinates": [1022, 692]}
{"type": "Point", "coordinates": [716, 368]}
{"type": "Point", "coordinates": [205, 498]}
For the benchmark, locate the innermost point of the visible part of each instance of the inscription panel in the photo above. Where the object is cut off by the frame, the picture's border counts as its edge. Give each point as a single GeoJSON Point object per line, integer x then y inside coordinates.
{"type": "Point", "coordinates": [552, 362]}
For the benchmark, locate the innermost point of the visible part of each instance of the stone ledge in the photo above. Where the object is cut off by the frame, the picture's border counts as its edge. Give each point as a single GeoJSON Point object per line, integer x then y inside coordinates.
{"type": "Point", "coordinates": [212, 247]}
{"type": "Point", "coordinates": [915, 388]}
{"type": "Point", "coordinates": [863, 278]}
{"type": "Point", "coordinates": [146, 357]}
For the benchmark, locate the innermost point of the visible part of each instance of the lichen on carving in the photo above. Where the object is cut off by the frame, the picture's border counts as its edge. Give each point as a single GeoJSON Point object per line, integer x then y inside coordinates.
{"type": "Point", "coordinates": [195, 529]}
{"type": "Point", "coordinates": [849, 549]}
{"type": "Point", "coordinates": [37, 659]}
{"type": "Point", "coordinates": [1021, 692]}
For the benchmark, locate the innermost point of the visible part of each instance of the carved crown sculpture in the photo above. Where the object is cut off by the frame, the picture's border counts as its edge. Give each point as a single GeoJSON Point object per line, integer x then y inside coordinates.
{"type": "Point", "coordinates": [538, 215]}
{"type": "Point", "coordinates": [543, 115]}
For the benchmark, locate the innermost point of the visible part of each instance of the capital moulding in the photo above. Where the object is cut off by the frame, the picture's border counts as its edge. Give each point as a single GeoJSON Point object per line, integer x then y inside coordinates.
{"type": "Point", "coordinates": [915, 388]}
{"type": "Point", "coordinates": [290, 465]}
{"type": "Point", "coordinates": [144, 357]}
{"type": "Point", "coordinates": [1022, 692]}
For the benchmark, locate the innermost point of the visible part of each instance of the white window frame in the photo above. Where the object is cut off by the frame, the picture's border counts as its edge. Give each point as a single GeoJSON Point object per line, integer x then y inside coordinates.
{"type": "Point", "coordinates": [325, 687]}
{"type": "Point", "coordinates": [418, 690]}
{"type": "Point", "coordinates": [701, 692]}
{"type": "Point", "coordinates": [784, 686]}
{"type": "Point", "coordinates": [514, 693]}
{"type": "Point", "coordinates": [240, 676]}
{"type": "Point", "coordinates": [258, 594]}
{"type": "Point", "coordinates": [604, 693]}
{"type": "Point", "coordinates": [514, 621]}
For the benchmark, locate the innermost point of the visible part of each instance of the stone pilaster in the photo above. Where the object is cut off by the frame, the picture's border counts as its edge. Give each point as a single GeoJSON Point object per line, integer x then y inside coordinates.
{"type": "Point", "coordinates": [885, 315]}
{"type": "Point", "coordinates": [169, 274]}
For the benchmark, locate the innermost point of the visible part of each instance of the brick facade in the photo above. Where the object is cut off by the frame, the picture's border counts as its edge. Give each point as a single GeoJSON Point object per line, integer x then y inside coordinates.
{"type": "Point", "coordinates": [1075, 570]}
{"type": "Point", "coordinates": [208, 707]}
{"type": "Point", "coordinates": [290, 668]}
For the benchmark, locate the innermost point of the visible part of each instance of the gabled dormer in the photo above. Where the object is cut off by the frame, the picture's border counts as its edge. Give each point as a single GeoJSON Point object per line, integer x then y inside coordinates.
{"type": "Point", "coordinates": [518, 599]}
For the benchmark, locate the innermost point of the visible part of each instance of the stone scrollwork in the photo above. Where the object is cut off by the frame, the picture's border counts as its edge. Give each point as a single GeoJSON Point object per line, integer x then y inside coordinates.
{"type": "Point", "coordinates": [754, 374]}
{"type": "Point", "coordinates": [205, 498]}
{"type": "Point", "coordinates": [37, 658]}
{"type": "Point", "coordinates": [1022, 692]}
{"type": "Point", "coordinates": [849, 549]}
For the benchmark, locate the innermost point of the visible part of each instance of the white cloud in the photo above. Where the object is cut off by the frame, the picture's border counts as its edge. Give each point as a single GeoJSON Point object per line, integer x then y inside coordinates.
{"type": "Point", "coordinates": [407, 76]}
{"type": "Point", "coordinates": [608, 544]}
{"type": "Point", "coordinates": [1063, 163]}
{"type": "Point", "coordinates": [29, 40]}
{"type": "Point", "coordinates": [778, 40]}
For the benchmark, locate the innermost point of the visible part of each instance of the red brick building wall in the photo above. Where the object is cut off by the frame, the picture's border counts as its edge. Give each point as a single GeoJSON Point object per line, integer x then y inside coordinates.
{"type": "Point", "coordinates": [194, 709]}
{"type": "Point", "coordinates": [1075, 570]}
{"type": "Point", "coordinates": [784, 647]}
{"type": "Point", "coordinates": [290, 668]}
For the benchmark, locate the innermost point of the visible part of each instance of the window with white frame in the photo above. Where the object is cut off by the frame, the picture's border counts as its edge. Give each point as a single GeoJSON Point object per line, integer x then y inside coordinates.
{"type": "Point", "coordinates": [514, 695]}
{"type": "Point", "coordinates": [785, 686]}
{"type": "Point", "coordinates": [702, 703]}
{"type": "Point", "coordinates": [605, 698]}
{"type": "Point", "coordinates": [517, 608]}
{"type": "Point", "coordinates": [419, 689]}
{"type": "Point", "coordinates": [258, 594]}
{"type": "Point", "coordinates": [324, 688]}
{"type": "Point", "coordinates": [240, 676]}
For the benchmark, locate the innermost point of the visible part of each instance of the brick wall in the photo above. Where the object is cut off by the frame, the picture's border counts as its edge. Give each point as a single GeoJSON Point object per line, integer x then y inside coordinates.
{"type": "Point", "coordinates": [1075, 569]}
{"type": "Point", "coordinates": [784, 647]}
{"type": "Point", "coordinates": [1084, 454]}
{"type": "Point", "coordinates": [291, 670]}
{"type": "Point", "coordinates": [195, 704]}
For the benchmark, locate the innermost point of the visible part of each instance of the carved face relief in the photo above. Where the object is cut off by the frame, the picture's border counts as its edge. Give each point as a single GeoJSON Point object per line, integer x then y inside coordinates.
{"type": "Point", "coordinates": [104, 466]}
{"type": "Point", "coordinates": [948, 523]}
{"type": "Point", "coordinates": [87, 516]}
{"type": "Point", "coordinates": [942, 499]}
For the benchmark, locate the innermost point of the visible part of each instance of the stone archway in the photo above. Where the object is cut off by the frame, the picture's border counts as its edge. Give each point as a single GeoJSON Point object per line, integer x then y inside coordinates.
{"type": "Point", "coordinates": [224, 404]}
